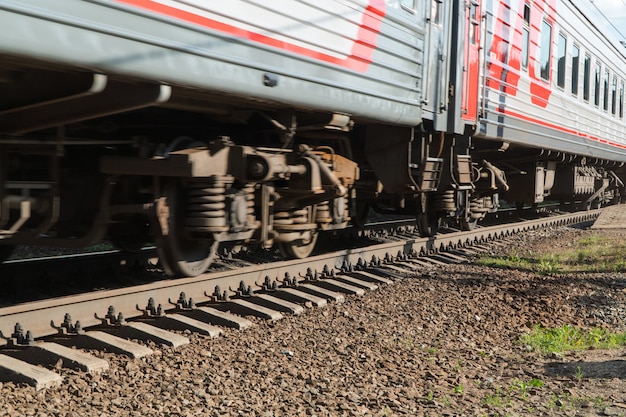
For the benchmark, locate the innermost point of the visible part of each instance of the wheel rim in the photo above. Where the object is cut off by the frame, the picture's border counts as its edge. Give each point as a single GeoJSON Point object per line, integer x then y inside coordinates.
{"type": "Point", "coordinates": [178, 252]}
{"type": "Point", "coordinates": [298, 249]}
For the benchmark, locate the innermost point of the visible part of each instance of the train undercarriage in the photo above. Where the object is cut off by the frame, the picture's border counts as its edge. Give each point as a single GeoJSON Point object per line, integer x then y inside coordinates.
{"type": "Point", "coordinates": [192, 174]}
{"type": "Point", "coordinates": [190, 196]}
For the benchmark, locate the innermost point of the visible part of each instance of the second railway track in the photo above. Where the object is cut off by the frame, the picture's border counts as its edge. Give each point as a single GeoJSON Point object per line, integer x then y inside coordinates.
{"type": "Point", "coordinates": [277, 288]}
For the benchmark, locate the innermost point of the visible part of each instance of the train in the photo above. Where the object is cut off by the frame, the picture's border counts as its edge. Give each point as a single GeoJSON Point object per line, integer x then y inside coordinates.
{"type": "Point", "coordinates": [198, 125]}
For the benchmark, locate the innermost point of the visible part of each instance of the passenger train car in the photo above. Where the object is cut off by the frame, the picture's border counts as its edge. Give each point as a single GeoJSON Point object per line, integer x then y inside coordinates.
{"type": "Point", "coordinates": [196, 125]}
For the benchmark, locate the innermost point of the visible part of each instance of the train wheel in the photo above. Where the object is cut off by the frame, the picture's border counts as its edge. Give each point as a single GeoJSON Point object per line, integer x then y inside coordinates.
{"type": "Point", "coordinates": [298, 249]}
{"type": "Point", "coordinates": [479, 207]}
{"type": "Point", "coordinates": [428, 224]}
{"type": "Point", "coordinates": [427, 219]}
{"type": "Point", "coordinates": [179, 253]}
{"type": "Point", "coordinates": [591, 205]}
{"type": "Point", "coordinates": [360, 213]}
{"type": "Point", "coordinates": [468, 223]}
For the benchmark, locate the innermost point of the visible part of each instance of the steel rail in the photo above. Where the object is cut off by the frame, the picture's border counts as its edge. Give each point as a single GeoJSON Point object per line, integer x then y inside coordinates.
{"type": "Point", "coordinates": [88, 308]}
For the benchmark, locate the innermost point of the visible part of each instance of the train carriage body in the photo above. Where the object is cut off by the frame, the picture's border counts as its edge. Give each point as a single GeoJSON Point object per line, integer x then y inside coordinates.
{"type": "Point", "coordinates": [568, 99]}
{"type": "Point", "coordinates": [359, 57]}
{"type": "Point", "coordinates": [553, 91]}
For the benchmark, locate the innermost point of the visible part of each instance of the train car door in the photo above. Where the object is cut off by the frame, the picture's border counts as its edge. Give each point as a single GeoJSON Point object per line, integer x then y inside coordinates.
{"type": "Point", "coordinates": [436, 63]}
{"type": "Point", "coordinates": [471, 65]}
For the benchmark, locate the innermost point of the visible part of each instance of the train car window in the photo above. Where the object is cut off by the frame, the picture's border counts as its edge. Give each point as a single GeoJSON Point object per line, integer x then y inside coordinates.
{"type": "Point", "coordinates": [475, 22]}
{"type": "Point", "coordinates": [546, 50]}
{"type": "Point", "coordinates": [575, 68]}
{"type": "Point", "coordinates": [621, 99]}
{"type": "Point", "coordinates": [525, 36]}
{"type": "Point", "coordinates": [435, 12]}
{"type": "Point", "coordinates": [527, 13]}
{"type": "Point", "coordinates": [525, 40]}
{"type": "Point", "coordinates": [408, 4]}
{"type": "Point", "coordinates": [586, 77]}
{"type": "Point", "coordinates": [605, 97]}
{"type": "Point", "coordinates": [560, 67]}
{"type": "Point", "coordinates": [596, 91]}
{"type": "Point", "coordinates": [614, 96]}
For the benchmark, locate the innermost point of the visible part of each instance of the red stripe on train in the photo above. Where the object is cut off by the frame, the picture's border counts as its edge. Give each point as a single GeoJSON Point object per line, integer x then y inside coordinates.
{"type": "Point", "coordinates": [560, 128]}
{"type": "Point", "coordinates": [359, 60]}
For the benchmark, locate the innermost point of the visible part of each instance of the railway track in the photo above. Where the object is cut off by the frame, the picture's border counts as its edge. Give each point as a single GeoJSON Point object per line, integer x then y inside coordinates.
{"type": "Point", "coordinates": [106, 319]}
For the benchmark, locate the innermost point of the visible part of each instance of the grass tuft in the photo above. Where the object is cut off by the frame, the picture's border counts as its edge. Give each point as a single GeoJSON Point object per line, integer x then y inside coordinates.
{"type": "Point", "coordinates": [595, 253]}
{"type": "Point", "coordinates": [567, 338]}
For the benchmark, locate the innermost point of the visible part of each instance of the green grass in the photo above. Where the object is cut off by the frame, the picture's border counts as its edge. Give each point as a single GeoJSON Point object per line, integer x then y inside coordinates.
{"type": "Point", "coordinates": [568, 338]}
{"type": "Point", "coordinates": [497, 400]}
{"type": "Point", "coordinates": [502, 397]}
{"type": "Point", "coordinates": [523, 388]}
{"type": "Point", "coordinates": [595, 253]}
{"type": "Point", "coordinates": [567, 402]}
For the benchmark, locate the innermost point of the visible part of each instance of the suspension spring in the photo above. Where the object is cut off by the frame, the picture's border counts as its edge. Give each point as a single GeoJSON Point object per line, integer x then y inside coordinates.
{"type": "Point", "coordinates": [444, 201]}
{"type": "Point", "coordinates": [249, 189]}
{"type": "Point", "coordinates": [480, 206]}
{"type": "Point", "coordinates": [300, 216]}
{"type": "Point", "coordinates": [206, 208]}
{"type": "Point", "coordinates": [322, 213]}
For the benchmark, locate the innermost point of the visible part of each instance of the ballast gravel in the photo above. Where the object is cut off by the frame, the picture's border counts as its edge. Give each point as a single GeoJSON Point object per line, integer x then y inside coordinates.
{"type": "Point", "coordinates": [443, 342]}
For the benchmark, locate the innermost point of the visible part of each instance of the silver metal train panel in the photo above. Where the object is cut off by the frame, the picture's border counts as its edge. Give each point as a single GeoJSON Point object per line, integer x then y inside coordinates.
{"type": "Point", "coordinates": [565, 121]}
{"type": "Point", "coordinates": [362, 57]}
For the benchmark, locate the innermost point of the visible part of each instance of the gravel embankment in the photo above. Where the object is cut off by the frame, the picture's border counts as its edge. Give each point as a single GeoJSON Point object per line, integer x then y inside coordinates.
{"type": "Point", "coordinates": [442, 343]}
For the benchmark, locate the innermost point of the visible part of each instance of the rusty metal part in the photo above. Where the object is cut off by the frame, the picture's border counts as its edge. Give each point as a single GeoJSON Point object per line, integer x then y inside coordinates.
{"type": "Point", "coordinates": [181, 252]}
{"type": "Point", "coordinates": [496, 176]}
